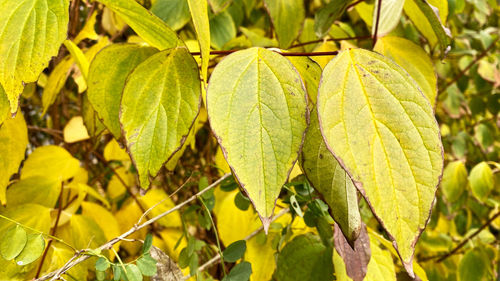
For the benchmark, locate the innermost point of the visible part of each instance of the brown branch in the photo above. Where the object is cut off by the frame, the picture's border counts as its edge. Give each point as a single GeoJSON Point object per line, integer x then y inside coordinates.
{"type": "Point", "coordinates": [290, 54]}
{"type": "Point", "coordinates": [53, 132]}
{"type": "Point", "coordinates": [462, 73]}
{"type": "Point", "coordinates": [332, 39]}
{"type": "Point", "coordinates": [459, 246]}
{"type": "Point", "coordinates": [134, 229]}
{"type": "Point", "coordinates": [377, 22]}
{"type": "Point", "coordinates": [353, 4]}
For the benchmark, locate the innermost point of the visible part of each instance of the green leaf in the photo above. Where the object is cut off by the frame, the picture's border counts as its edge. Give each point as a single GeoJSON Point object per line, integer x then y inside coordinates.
{"type": "Point", "coordinates": [382, 130]}
{"type": "Point", "coordinates": [117, 272]}
{"type": "Point", "coordinates": [31, 33]}
{"type": "Point", "coordinates": [235, 251]}
{"type": "Point", "coordinates": [222, 29]}
{"type": "Point", "coordinates": [454, 181]}
{"type": "Point", "coordinates": [199, 14]}
{"type": "Point", "coordinates": [324, 18]}
{"type": "Point", "coordinates": [147, 265]}
{"type": "Point", "coordinates": [481, 181]}
{"type": "Point", "coordinates": [4, 105]}
{"type": "Point", "coordinates": [414, 60]}
{"type": "Point", "coordinates": [175, 13]}
{"type": "Point", "coordinates": [429, 21]}
{"type": "Point", "coordinates": [13, 142]}
{"type": "Point", "coordinates": [331, 181]}
{"type": "Point", "coordinates": [34, 248]}
{"type": "Point", "coordinates": [257, 107]}
{"type": "Point", "coordinates": [38, 190]}
{"type": "Point", "coordinates": [102, 264]}
{"type": "Point", "coordinates": [219, 5]}
{"type": "Point", "coordinates": [473, 266]}
{"type": "Point", "coordinates": [240, 272]}
{"type": "Point", "coordinates": [106, 81]}
{"type": "Point", "coordinates": [305, 258]}
{"type": "Point", "coordinates": [310, 71]}
{"type": "Point", "coordinates": [133, 273]}
{"type": "Point", "coordinates": [50, 161]}
{"type": "Point", "coordinates": [390, 15]}
{"type": "Point", "coordinates": [241, 201]}
{"type": "Point", "coordinates": [159, 105]}
{"type": "Point", "coordinates": [13, 242]}
{"type": "Point", "coordinates": [148, 26]}
{"type": "Point", "coordinates": [148, 243]}
{"type": "Point", "coordinates": [287, 17]}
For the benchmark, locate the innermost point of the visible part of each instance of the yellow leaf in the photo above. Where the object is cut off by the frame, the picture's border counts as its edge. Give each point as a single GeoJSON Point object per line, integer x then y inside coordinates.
{"type": "Point", "coordinates": [261, 256]}
{"type": "Point", "coordinates": [113, 151]}
{"type": "Point", "coordinates": [199, 14]}
{"type": "Point", "coordinates": [115, 186]}
{"type": "Point", "coordinates": [13, 142]}
{"type": "Point", "coordinates": [155, 196]}
{"type": "Point", "coordinates": [88, 30]}
{"type": "Point", "coordinates": [171, 236]}
{"type": "Point", "coordinates": [381, 266]}
{"type": "Point", "coordinates": [127, 217]}
{"type": "Point", "coordinates": [50, 161]}
{"type": "Point", "coordinates": [75, 130]}
{"type": "Point", "coordinates": [104, 219]}
{"type": "Point", "coordinates": [326, 46]}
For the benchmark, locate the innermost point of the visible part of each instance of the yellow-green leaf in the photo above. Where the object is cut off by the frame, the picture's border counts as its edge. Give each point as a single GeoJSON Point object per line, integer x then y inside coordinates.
{"type": "Point", "coordinates": [79, 57]}
{"type": "Point", "coordinates": [429, 18]}
{"type": "Point", "coordinates": [414, 60]}
{"type": "Point", "coordinates": [473, 266]}
{"type": "Point", "coordinates": [330, 180]}
{"type": "Point", "coordinates": [161, 99]}
{"type": "Point", "coordinates": [454, 181]}
{"type": "Point", "coordinates": [50, 161]}
{"type": "Point", "coordinates": [324, 18]}
{"type": "Point", "coordinates": [381, 266]}
{"type": "Point", "coordinates": [390, 15]}
{"type": "Point", "coordinates": [287, 17]}
{"type": "Point", "coordinates": [482, 181]}
{"type": "Point", "coordinates": [4, 105]}
{"type": "Point", "coordinates": [106, 81]}
{"type": "Point", "coordinates": [32, 215]}
{"type": "Point", "coordinates": [257, 107]}
{"type": "Point", "coordinates": [106, 221]}
{"type": "Point", "coordinates": [148, 26]}
{"type": "Point", "coordinates": [382, 130]}
{"type": "Point", "coordinates": [33, 249]}
{"type": "Point", "coordinates": [56, 81]}
{"type": "Point", "coordinates": [31, 32]}
{"type": "Point", "coordinates": [310, 72]}
{"type": "Point", "coordinates": [13, 142]}
{"type": "Point", "coordinates": [199, 14]}
{"type": "Point", "coordinates": [175, 13]}
{"type": "Point", "coordinates": [13, 242]}
{"type": "Point", "coordinates": [38, 190]}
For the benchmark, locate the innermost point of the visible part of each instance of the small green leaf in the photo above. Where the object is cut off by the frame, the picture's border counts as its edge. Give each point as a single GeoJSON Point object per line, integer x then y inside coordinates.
{"type": "Point", "coordinates": [473, 266]}
{"type": "Point", "coordinates": [100, 275]}
{"type": "Point", "coordinates": [257, 107]}
{"type": "Point", "coordinates": [133, 273]}
{"type": "Point", "coordinates": [331, 181]}
{"type": "Point", "coordinates": [147, 265]}
{"type": "Point", "coordinates": [240, 272]}
{"type": "Point", "coordinates": [35, 245]}
{"type": "Point", "coordinates": [148, 242]}
{"type": "Point", "coordinates": [102, 264]}
{"type": "Point", "coordinates": [394, 154]}
{"type": "Point", "coordinates": [305, 258]}
{"type": "Point", "coordinates": [199, 14]}
{"type": "Point", "coordinates": [324, 17]}
{"type": "Point", "coordinates": [193, 264]}
{"type": "Point", "coordinates": [454, 181]}
{"type": "Point", "coordinates": [106, 81]}
{"type": "Point", "coordinates": [235, 251]}
{"type": "Point", "coordinates": [241, 201]}
{"type": "Point", "coordinates": [222, 29]}
{"type": "Point", "coordinates": [287, 17]}
{"type": "Point", "coordinates": [31, 33]}
{"type": "Point", "coordinates": [481, 181]}
{"type": "Point", "coordinates": [390, 15]}
{"type": "Point", "coordinates": [175, 13]}
{"type": "Point", "coordinates": [148, 26]}
{"type": "Point", "coordinates": [117, 272]}
{"type": "Point", "coordinates": [13, 242]}
{"type": "Point", "coordinates": [159, 105]}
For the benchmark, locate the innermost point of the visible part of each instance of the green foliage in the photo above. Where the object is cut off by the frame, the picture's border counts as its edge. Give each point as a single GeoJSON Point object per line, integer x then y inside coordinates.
{"type": "Point", "coordinates": [118, 119]}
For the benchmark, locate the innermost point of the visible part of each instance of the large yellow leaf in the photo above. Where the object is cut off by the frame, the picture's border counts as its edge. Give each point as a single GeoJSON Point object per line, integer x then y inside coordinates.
{"type": "Point", "coordinates": [199, 14]}
{"type": "Point", "coordinates": [13, 142]}
{"type": "Point", "coordinates": [381, 266]}
{"type": "Point", "coordinates": [50, 161]}
{"type": "Point", "coordinates": [257, 107]}
{"type": "Point", "coordinates": [36, 190]}
{"type": "Point", "coordinates": [160, 102]}
{"type": "Point", "coordinates": [31, 32]}
{"type": "Point", "coordinates": [104, 219]}
{"type": "Point", "coordinates": [382, 130]}
{"type": "Point", "coordinates": [414, 60]}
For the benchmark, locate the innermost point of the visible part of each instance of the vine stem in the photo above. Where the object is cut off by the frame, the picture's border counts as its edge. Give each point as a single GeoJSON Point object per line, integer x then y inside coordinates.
{"type": "Point", "coordinates": [332, 39]}
{"type": "Point", "coordinates": [377, 22]}
{"type": "Point", "coordinates": [135, 228]}
{"type": "Point", "coordinates": [217, 258]}
{"type": "Point", "coordinates": [459, 246]}
{"type": "Point", "coordinates": [289, 54]}
{"type": "Point", "coordinates": [462, 73]}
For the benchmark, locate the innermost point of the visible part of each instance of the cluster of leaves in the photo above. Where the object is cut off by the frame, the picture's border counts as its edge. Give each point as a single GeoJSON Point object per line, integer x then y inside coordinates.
{"type": "Point", "coordinates": [324, 112]}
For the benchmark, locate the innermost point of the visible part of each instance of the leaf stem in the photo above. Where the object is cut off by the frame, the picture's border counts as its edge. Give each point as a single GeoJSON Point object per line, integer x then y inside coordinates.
{"type": "Point", "coordinates": [216, 235]}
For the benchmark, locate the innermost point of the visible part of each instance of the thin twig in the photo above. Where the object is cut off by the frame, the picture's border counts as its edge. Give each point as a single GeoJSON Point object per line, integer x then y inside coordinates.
{"type": "Point", "coordinates": [353, 4]}
{"type": "Point", "coordinates": [217, 258]}
{"type": "Point", "coordinates": [136, 228]}
{"type": "Point", "coordinates": [332, 39]}
{"type": "Point", "coordinates": [459, 246]}
{"type": "Point", "coordinates": [289, 54]}
{"type": "Point", "coordinates": [462, 73]}
{"type": "Point", "coordinates": [377, 22]}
